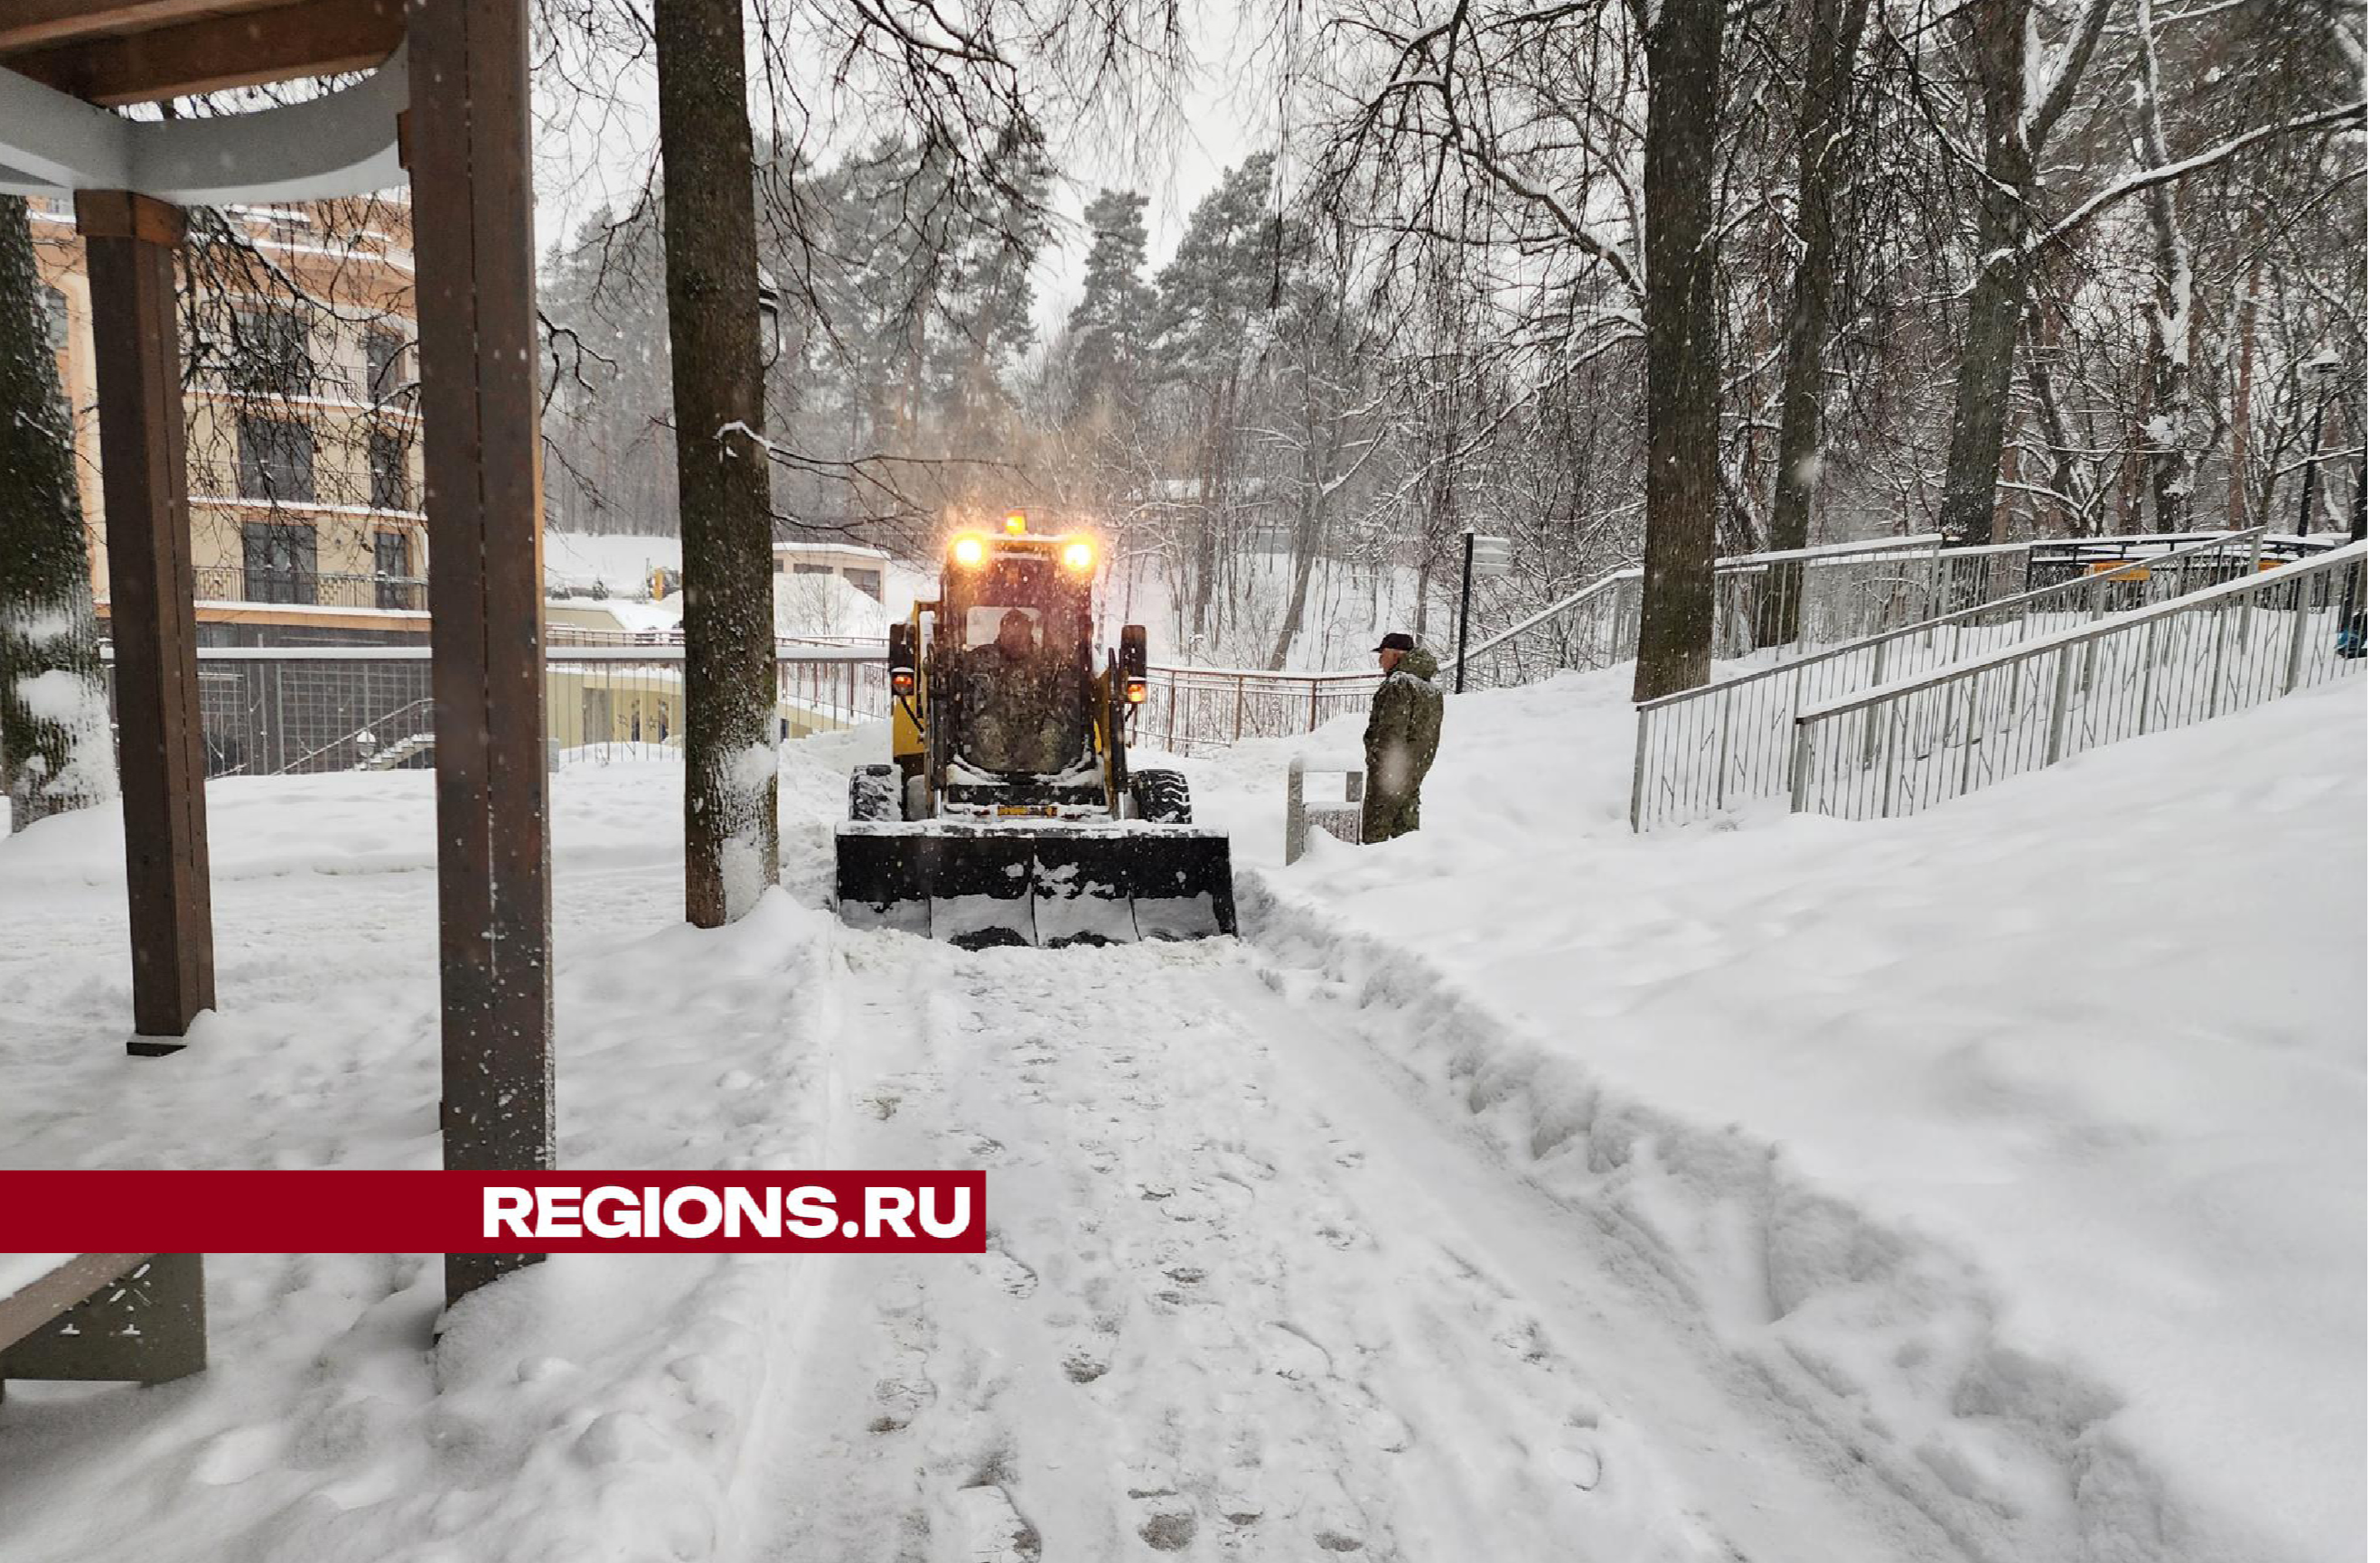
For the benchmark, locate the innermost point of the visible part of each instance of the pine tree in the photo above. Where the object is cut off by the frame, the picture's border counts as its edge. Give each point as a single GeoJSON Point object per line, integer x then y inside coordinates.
{"type": "Point", "coordinates": [1108, 333]}
{"type": "Point", "coordinates": [56, 751]}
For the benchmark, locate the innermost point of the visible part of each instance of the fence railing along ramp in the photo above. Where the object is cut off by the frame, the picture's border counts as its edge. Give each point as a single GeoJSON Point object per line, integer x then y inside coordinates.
{"type": "Point", "coordinates": [1703, 750]}
{"type": "Point", "coordinates": [1932, 736]}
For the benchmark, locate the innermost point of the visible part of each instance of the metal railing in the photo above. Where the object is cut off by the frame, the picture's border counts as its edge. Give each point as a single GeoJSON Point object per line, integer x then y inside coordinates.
{"type": "Point", "coordinates": [265, 588]}
{"type": "Point", "coordinates": [1834, 592]}
{"type": "Point", "coordinates": [307, 710]}
{"type": "Point", "coordinates": [1938, 735]}
{"type": "Point", "coordinates": [1703, 750]}
{"type": "Point", "coordinates": [1192, 709]}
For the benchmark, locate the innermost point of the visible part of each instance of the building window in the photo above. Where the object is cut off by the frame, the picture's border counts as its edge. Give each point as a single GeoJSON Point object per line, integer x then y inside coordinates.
{"type": "Point", "coordinates": [269, 356]}
{"type": "Point", "coordinates": [384, 363]}
{"type": "Point", "coordinates": [810, 570]}
{"type": "Point", "coordinates": [393, 580]}
{"type": "Point", "coordinates": [276, 460]}
{"type": "Point", "coordinates": [279, 560]}
{"type": "Point", "coordinates": [869, 581]}
{"type": "Point", "coordinates": [390, 488]}
{"type": "Point", "coordinates": [54, 317]}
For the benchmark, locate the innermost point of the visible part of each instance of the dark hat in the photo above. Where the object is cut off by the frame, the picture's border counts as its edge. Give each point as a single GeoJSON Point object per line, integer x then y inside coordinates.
{"type": "Point", "coordinates": [1395, 640]}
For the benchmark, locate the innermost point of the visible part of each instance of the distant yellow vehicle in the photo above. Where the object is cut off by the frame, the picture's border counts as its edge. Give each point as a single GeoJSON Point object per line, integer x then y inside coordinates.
{"type": "Point", "coordinates": [1010, 812]}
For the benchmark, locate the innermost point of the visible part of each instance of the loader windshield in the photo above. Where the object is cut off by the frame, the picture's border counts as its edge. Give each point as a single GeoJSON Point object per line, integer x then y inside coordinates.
{"type": "Point", "coordinates": [1021, 698]}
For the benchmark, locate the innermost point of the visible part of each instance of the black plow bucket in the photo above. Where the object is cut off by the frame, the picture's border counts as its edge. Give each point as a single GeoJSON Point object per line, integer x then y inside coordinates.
{"type": "Point", "coordinates": [981, 885]}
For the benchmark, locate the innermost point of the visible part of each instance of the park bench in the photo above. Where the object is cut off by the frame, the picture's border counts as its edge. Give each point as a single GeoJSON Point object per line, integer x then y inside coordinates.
{"type": "Point", "coordinates": [136, 1316]}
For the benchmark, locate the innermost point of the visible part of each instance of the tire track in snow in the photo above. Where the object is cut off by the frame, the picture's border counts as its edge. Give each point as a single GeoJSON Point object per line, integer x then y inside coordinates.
{"type": "Point", "coordinates": [1240, 1300]}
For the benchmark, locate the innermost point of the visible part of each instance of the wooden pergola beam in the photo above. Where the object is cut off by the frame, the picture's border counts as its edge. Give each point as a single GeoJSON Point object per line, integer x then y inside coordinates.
{"type": "Point", "coordinates": [130, 240]}
{"type": "Point", "coordinates": [26, 24]}
{"type": "Point", "coordinates": [468, 145]}
{"type": "Point", "coordinates": [304, 38]}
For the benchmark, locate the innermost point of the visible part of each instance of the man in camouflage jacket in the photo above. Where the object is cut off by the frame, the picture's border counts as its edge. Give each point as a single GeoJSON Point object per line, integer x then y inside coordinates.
{"type": "Point", "coordinates": [1401, 738]}
{"type": "Point", "coordinates": [1016, 703]}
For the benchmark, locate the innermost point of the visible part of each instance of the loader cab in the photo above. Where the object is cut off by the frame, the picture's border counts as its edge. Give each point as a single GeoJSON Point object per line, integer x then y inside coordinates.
{"type": "Point", "coordinates": [1009, 721]}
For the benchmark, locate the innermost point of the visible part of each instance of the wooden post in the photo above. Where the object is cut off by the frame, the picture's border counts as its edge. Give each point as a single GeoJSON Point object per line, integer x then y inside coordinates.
{"type": "Point", "coordinates": [131, 240]}
{"type": "Point", "coordinates": [468, 139]}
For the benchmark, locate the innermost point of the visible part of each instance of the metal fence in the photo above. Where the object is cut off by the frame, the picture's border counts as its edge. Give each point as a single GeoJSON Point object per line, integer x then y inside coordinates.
{"type": "Point", "coordinates": [292, 711]}
{"type": "Point", "coordinates": [1706, 749]}
{"type": "Point", "coordinates": [1940, 736]}
{"type": "Point", "coordinates": [1805, 596]}
{"type": "Point", "coordinates": [1194, 710]}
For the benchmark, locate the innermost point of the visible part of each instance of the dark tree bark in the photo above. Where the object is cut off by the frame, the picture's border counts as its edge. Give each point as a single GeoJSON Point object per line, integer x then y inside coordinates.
{"type": "Point", "coordinates": [1988, 354]}
{"type": "Point", "coordinates": [2170, 316]}
{"type": "Point", "coordinates": [1835, 30]}
{"type": "Point", "coordinates": [2013, 135]}
{"type": "Point", "coordinates": [713, 262]}
{"type": "Point", "coordinates": [1682, 491]}
{"type": "Point", "coordinates": [55, 752]}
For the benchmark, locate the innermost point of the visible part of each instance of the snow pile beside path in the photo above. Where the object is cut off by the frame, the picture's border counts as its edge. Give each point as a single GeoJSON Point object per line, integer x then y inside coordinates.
{"type": "Point", "coordinates": [593, 1407]}
{"type": "Point", "coordinates": [2020, 1144]}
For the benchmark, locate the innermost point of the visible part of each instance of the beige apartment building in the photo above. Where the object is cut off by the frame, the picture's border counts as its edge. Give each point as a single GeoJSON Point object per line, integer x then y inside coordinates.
{"type": "Point", "coordinates": [305, 466]}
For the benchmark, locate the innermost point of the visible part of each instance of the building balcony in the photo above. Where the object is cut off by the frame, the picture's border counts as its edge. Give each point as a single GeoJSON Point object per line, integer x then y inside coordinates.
{"type": "Point", "coordinates": [309, 588]}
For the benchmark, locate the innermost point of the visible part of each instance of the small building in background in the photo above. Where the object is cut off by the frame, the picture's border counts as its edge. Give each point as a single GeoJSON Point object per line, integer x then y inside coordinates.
{"type": "Point", "coordinates": [862, 567]}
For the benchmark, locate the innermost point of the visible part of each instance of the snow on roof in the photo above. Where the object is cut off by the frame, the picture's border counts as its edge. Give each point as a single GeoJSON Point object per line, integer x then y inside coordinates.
{"type": "Point", "coordinates": [848, 550]}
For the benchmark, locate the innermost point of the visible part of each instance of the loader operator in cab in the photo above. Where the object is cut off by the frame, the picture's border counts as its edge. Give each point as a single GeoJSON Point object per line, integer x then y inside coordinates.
{"type": "Point", "coordinates": [1014, 702]}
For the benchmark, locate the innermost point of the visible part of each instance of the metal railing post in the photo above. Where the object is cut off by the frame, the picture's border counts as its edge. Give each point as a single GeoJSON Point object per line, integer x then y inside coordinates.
{"type": "Point", "coordinates": [1636, 788]}
{"type": "Point", "coordinates": [1974, 732]}
{"type": "Point", "coordinates": [2058, 696]}
{"type": "Point", "coordinates": [1798, 786]}
{"type": "Point", "coordinates": [1239, 703]}
{"type": "Point", "coordinates": [1718, 785]}
{"type": "Point", "coordinates": [2297, 635]}
{"type": "Point", "coordinates": [1296, 845]}
{"type": "Point", "coordinates": [2215, 679]}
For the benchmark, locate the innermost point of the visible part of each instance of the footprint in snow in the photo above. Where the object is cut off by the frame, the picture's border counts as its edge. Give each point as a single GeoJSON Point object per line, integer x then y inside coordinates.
{"type": "Point", "coordinates": [1015, 1277]}
{"type": "Point", "coordinates": [1168, 1520]}
{"type": "Point", "coordinates": [991, 1530]}
{"type": "Point", "coordinates": [1574, 1457]}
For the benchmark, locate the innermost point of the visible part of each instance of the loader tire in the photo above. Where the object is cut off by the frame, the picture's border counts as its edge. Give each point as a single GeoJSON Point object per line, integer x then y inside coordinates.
{"type": "Point", "coordinates": [875, 794]}
{"type": "Point", "coordinates": [1162, 797]}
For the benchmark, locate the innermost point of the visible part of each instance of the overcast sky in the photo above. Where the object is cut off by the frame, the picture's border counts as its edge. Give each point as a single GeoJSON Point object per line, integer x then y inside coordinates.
{"type": "Point", "coordinates": [1225, 115]}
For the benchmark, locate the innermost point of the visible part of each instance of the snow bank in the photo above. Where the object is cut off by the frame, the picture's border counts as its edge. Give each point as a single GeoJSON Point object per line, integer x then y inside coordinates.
{"type": "Point", "coordinates": [2021, 1144]}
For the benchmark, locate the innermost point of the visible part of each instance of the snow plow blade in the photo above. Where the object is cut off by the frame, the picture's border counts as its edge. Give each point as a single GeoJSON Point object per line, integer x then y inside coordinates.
{"type": "Point", "coordinates": [982, 885]}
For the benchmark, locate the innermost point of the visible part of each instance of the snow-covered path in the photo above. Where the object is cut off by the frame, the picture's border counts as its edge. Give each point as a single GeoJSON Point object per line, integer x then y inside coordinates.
{"type": "Point", "coordinates": [1244, 1297]}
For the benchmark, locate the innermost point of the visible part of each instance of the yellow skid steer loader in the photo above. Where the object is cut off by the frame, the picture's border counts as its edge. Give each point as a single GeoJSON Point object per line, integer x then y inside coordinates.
{"type": "Point", "coordinates": [1010, 813]}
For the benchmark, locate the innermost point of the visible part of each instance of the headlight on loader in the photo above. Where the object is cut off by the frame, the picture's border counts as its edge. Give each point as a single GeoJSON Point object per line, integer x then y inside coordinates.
{"type": "Point", "coordinates": [1076, 556]}
{"type": "Point", "coordinates": [968, 550]}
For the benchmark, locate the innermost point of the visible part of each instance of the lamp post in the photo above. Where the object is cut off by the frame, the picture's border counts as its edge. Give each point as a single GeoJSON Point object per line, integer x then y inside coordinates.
{"type": "Point", "coordinates": [773, 326]}
{"type": "Point", "coordinates": [2319, 368]}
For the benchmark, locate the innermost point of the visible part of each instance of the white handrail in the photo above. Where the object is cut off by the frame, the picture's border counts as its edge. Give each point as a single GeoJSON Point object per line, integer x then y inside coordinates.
{"type": "Point", "coordinates": [2114, 625]}
{"type": "Point", "coordinates": [1927, 627]}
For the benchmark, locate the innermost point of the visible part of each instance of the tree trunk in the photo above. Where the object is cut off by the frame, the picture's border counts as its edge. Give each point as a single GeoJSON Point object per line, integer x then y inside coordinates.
{"type": "Point", "coordinates": [56, 751]}
{"type": "Point", "coordinates": [1835, 30]}
{"type": "Point", "coordinates": [2068, 516]}
{"type": "Point", "coordinates": [1681, 348]}
{"type": "Point", "coordinates": [723, 477]}
{"type": "Point", "coordinates": [2169, 315]}
{"type": "Point", "coordinates": [2241, 403]}
{"type": "Point", "coordinates": [1988, 354]}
